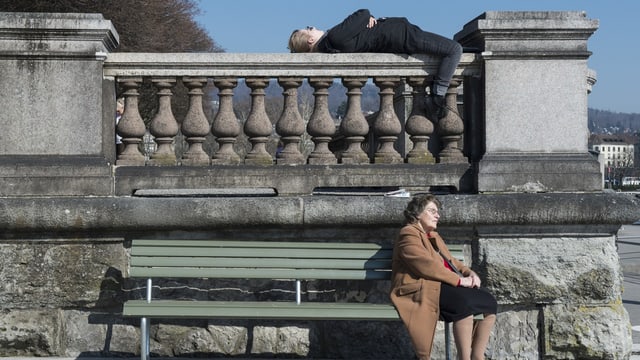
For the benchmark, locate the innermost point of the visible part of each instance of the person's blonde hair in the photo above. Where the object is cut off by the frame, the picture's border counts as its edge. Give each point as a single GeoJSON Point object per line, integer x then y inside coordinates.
{"type": "Point", "coordinates": [298, 42]}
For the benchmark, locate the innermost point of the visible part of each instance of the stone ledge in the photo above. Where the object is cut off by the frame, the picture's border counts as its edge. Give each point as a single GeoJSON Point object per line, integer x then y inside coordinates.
{"type": "Point", "coordinates": [587, 213]}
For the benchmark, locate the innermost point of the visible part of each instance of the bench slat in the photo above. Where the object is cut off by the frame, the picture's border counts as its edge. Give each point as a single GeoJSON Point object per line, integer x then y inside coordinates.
{"type": "Point", "coordinates": [262, 252]}
{"type": "Point", "coordinates": [255, 244]}
{"type": "Point", "coordinates": [259, 273]}
{"type": "Point", "coordinates": [259, 310]}
{"type": "Point", "coordinates": [262, 260]}
{"type": "Point", "coordinates": [222, 262]}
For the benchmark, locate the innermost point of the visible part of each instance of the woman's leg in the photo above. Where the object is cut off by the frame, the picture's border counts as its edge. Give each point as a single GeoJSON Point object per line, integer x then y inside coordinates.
{"type": "Point", "coordinates": [463, 335]}
{"type": "Point", "coordinates": [481, 335]}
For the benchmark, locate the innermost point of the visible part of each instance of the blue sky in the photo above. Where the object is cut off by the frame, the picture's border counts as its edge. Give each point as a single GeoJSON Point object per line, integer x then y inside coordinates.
{"type": "Point", "coordinates": [263, 26]}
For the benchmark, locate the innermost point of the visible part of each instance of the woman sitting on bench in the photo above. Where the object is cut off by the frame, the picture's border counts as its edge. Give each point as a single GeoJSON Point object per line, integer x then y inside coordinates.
{"type": "Point", "coordinates": [428, 282]}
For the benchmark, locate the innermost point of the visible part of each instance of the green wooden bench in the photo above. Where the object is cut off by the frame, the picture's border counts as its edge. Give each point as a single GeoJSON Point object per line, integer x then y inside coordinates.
{"type": "Point", "coordinates": [295, 261]}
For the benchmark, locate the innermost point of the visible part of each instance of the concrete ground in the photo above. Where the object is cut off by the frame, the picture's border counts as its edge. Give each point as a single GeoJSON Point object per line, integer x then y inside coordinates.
{"type": "Point", "coordinates": [629, 252]}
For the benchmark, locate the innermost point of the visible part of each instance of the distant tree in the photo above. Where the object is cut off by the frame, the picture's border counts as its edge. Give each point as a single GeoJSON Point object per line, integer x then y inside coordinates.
{"type": "Point", "coordinates": [143, 25]}
{"type": "Point", "coordinates": [609, 122]}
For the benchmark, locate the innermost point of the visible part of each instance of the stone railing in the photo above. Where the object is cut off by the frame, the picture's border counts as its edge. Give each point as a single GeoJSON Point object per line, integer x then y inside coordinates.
{"type": "Point", "coordinates": [389, 72]}
{"type": "Point", "coordinates": [399, 132]}
{"type": "Point", "coordinates": [485, 146]}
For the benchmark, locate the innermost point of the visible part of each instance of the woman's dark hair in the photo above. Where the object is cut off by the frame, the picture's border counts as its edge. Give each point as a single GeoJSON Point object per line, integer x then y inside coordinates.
{"type": "Point", "coordinates": [416, 206]}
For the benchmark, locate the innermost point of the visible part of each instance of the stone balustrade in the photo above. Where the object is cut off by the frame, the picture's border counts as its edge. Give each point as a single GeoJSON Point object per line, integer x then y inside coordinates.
{"type": "Point", "coordinates": [401, 77]}
{"type": "Point", "coordinates": [400, 132]}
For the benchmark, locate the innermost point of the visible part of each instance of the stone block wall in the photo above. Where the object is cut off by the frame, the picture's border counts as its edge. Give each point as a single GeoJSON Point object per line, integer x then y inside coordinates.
{"type": "Point", "coordinates": [558, 282]}
{"type": "Point", "coordinates": [560, 296]}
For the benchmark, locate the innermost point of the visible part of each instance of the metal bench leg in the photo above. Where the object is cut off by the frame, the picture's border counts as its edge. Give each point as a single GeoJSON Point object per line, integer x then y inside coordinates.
{"type": "Point", "coordinates": [447, 340]}
{"type": "Point", "coordinates": [144, 339]}
{"type": "Point", "coordinates": [144, 327]}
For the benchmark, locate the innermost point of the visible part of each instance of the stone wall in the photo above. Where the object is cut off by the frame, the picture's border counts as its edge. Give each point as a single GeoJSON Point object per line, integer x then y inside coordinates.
{"type": "Point", "coordinates": [558, 283]}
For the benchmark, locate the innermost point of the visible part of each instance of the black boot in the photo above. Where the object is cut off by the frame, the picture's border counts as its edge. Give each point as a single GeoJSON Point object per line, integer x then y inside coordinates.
{"type": "Point", "coordinates": [436, 107]}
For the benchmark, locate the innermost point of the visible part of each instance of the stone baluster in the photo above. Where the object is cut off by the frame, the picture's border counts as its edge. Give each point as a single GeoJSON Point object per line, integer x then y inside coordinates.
{"type": "Point", "coordinates": [258, 126]}
{"type": "Point", "coordinates": [418, 126]}
{"type": "Point", "coordinates": [321, 126]}
{"type": "Point", "coordinates": [164, 126]}
{"type": "Point", "coordinates": [290, 125]}
{"type": "Point", "coordinates": [451, 127]}
{"type": "Point", "coordinates": [225, 127]}
{"type": "Point", "coordinates": [195, 126]}
{"type": "Point", "coordinates": [131, 126]}
{"type": "Point", "coordinates": [354, 127]}
{"type": "Point", "coordinates": [387, 126]}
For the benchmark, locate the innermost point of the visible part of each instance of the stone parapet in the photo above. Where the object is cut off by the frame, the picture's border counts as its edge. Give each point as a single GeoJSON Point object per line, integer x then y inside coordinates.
{"type": "Point", "coordinates": [522, 213]}
{"type": "Point", "coordinates": [53, 103]}
{"type": "Point", "coordinates": [70, 256]}
{"type": "Point", "coordinates": [246, 65]}
{"type": "Point", "coordinates": [536, 85]}
{"type": "Point", "coordinates": [30, 36]}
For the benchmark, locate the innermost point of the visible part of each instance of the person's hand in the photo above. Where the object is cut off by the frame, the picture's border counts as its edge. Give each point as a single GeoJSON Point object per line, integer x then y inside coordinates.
{"type": "Point", "coordinates": [466, 281]}
{"type": "Point", "coordinates": [471, 281]}
{"type": "Point", "coordinates": [372, 22]}
{"type": "Point", "coordinates": [475, 280]}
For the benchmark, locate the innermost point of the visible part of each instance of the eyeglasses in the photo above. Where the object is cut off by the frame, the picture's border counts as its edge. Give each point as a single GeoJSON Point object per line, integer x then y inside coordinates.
{"type": "Point", "coordinates": [310, 28]}
{"type": "Point", "coordinates": [432, 211]}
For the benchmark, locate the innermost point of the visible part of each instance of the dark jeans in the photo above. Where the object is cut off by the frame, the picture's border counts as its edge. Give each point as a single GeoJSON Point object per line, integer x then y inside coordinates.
{"type": "Point", "coordinates": [450, 51]}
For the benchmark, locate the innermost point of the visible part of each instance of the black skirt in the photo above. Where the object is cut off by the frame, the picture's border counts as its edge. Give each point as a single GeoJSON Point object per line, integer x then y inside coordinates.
{"type": "Point", "coordinates": [457, 303]}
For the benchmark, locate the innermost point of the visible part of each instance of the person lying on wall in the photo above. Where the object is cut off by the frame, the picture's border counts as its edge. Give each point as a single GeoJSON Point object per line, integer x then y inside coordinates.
{"type": "Point", "coordinates": [361, 32]}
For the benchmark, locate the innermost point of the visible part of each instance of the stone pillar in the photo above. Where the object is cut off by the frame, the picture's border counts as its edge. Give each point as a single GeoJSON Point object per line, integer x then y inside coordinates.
{"type": "Point", "coordinates": [354, 126]}
{"type": "Point", "coordinates": [131, 126]}
{"type": "Point", "coordinates": [53, 106]}
{"type": "Point", "coordinates": [536, 84]}
{"type": "Point", "coordinates": [226, 127]}
{"type": "Point", "coordinates": [290, 125]}
{"type": "Point", "coordinates": [195, 126]}
{"type": "Point", "coordinates": [419, 127]}
{"type": "Point", "coordinates": [164, 126]}
{"type": "Point", "coordinates": [258, 125]}
{"type": "Point", "coordinates": [321, 126]}
{"type": "Point", "coordinates": [387, 126]}
{"type": "Point", "coordinates": [560, 286]}
{"type": "Point", "coordinates": [451, 129]}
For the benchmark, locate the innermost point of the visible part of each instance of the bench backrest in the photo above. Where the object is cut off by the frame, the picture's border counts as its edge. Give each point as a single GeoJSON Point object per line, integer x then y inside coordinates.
{"type": "Point", "coordinates": [262, 259]}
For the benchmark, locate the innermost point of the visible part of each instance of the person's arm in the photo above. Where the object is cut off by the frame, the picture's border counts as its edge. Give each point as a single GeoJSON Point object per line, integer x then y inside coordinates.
{"type": "Point", "coordinates": [349, 27]}
{"type": "Point", "coordinates": [471, 279]}
{"type": "Point", "coordinates": [422, 259]}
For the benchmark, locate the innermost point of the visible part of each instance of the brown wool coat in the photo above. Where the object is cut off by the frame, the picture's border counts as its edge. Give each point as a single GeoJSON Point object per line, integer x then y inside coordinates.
{"type": "Point", "coordinates": [417, 272]}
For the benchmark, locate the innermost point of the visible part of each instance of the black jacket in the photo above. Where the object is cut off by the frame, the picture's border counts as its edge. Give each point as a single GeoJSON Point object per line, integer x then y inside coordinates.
{"type": "Point", "coordinates": [389, 35]}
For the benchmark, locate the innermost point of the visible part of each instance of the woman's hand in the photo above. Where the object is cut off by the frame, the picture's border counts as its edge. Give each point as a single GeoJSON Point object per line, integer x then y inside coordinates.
{"type": "Point", "coordinates": [466, 281]}
{"type": "Point", "coordinates": [476, 280]}
{"type": "Point", "coordinates": [372, 22]}
{"type": "Point", "coordinates": [471, 281]}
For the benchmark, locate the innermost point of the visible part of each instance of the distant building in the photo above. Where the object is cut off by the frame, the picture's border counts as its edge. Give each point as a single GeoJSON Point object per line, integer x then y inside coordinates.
{"type": "Point", "coordinates": [617, 150]}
